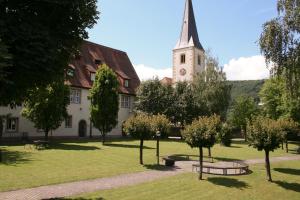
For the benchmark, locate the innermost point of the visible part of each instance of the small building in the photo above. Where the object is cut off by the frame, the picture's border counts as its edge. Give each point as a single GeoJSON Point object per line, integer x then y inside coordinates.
{"type": "Point", "coordinates": [81, 74]}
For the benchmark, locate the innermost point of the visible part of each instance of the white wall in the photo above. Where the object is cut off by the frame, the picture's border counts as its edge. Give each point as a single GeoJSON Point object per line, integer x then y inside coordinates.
{"type": "Point", "coordinates": [78, 111]}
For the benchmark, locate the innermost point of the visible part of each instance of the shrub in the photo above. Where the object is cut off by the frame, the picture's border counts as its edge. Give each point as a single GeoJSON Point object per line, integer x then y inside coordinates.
{"type": "Point", "coordinates": [225, 135]}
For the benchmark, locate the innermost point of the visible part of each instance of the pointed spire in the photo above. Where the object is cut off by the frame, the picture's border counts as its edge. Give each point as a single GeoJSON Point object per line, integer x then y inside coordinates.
{"type": "Point", "coordinates": [189, 34]}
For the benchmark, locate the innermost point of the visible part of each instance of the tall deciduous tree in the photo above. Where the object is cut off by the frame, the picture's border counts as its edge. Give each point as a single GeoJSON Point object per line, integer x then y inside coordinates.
{"type": "Point", "coordinates": [264, 134]}
{"type": "Point", "coordinates": [139, 127]}
{"type": "Point", "coordinates": [46, 106]}
{"type": "Point", "coordinates": [280, 44]}
{"type": "Point", "coordinates": [202, 133]}
{"type": "Point", "coordinates": [104, 97]}
{"type": "Point", "coordinates": [5, 61]}
{"type": "Point", "coordinates": [211, 89]}
{"type": "Point", "coordinates": [41, 36]}
{"type": "Point", "coordinates": [244, 109]}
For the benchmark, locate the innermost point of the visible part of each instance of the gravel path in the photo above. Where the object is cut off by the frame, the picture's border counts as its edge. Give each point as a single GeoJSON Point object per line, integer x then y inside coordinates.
{"type": "Point", "coordinates": [76, 188]}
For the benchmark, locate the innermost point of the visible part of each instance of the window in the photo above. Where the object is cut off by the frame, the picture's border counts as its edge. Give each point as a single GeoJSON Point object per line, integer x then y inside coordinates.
{"type": "Point", "coordinates": [182, 58]}
{"type": "Point", "coordinates": [126, 83]}
{"type": "Point", "coordinates": [75, 96]}
{"type": "Point", "coordinates": [125, 101]}
{"type": "Point", "coordinates": [68, 122]}
{"type": "Point", "coordinates": [98, 61]}
{"type": "Point", "coordinates": [93, 76]}
{"type": "Point", "coordinates": [199, 60]}
{"type": "Point", "coordinates": [70, 72]}
{"type": "Point", "coordinates": [12, 124]}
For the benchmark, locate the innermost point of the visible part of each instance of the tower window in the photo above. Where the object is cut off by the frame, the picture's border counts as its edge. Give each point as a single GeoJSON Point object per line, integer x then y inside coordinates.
{"type": "Point", "coordinates": [93, 76]}
{"type": "Point", "coordinates": [199, 60]}
{"type": "Point", "coordinates": [182, 58]}
{"type": "Point", "coordinates": [126, 83]}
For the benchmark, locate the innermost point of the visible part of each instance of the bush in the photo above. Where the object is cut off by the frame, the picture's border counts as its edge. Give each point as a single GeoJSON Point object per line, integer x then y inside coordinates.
{"type": "Point", "coordinates": [225, 135]}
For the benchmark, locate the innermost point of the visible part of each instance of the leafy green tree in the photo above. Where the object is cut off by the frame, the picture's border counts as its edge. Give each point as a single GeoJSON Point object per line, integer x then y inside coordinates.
{"type": "Point", "coordinates": [244, 109]}
{"type": "Point", "coordinates": [104, 97]}
{"type": "Point", "coordinates": [5, 61]}
{"type": "Point", "coordinates": [46, 107]}
{"type": "Point", "coordinates": [279, 42]}
{"type": "Point", "coordinates": [154, 98]}
{"type": "Point", "coordinates": [277, 103]}
{"type": "Point", "coordinates": [185, 107]}
{"type": "Point", "coordinates": [272, 97]}
{"type": "Point", "coordinates": [212, 91]}
{"type": "Point", "coordinates": [138, 127]}
{"type": "Point", "coordinates": [288, 127]}
{"type": "Point", "coordinates": [41, 37]}
{"type": "Point", "coordinates": [264, 134]}
{"type": "Point", "coordinates": [225, 135]}
{"type": "Point", "coordinates": [202, 133]}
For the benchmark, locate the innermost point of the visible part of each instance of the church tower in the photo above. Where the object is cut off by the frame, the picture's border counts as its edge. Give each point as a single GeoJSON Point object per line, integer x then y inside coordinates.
{"type": "Point", "coordinates": [188, 55]}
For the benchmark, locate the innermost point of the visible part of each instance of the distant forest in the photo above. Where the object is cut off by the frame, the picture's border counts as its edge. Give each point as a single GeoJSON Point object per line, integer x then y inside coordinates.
{"type": "Point", "coordinates": [248, 88]}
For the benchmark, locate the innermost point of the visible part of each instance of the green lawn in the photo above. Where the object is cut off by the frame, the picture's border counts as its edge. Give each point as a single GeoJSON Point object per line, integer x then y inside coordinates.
{"type": "Point", "coordinates": [80, 160]}
{"type": "Point", "coordinates": [286, 186]}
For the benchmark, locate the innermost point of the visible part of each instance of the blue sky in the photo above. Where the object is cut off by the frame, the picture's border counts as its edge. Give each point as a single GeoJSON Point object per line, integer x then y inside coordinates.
{"type": "Point", "coordinates": [149, 29]}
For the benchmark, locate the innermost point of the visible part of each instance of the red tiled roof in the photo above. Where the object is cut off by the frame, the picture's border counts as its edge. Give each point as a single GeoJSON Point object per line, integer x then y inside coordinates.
{"type": "Point", "coordinates": [167, 81]}
{"type": "Point", "coordinates": [115, 59]}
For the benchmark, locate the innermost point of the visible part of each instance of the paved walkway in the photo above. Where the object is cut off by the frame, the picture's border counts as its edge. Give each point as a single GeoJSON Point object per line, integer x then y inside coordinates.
{"type": "Point", "coordinates": [80, 187]}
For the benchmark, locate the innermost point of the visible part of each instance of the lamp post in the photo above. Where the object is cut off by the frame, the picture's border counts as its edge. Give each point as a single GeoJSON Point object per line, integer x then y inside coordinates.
{"type": "Point", "coordinates": [157, 145]}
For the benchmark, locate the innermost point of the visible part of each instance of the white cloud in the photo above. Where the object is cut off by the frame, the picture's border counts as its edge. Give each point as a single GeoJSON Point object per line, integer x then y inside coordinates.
{"type": "Point", "coordinates": [247, 68]}
{"type": "Point", "coordinates": [146, 72]}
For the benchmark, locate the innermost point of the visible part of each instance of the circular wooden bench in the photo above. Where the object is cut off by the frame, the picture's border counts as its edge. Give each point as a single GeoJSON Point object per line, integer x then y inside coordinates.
{"type": "Point", "coordinates": [236, 169]}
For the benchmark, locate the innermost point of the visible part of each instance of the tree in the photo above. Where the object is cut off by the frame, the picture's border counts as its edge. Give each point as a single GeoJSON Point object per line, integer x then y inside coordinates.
{"type": "Point", "coordinates": [288, 127]}
{"type": "Point", "coordinates": [41, 36]}
{"type": "Point", "coordinates": [5, 61]}
{"type": "Point", "coordinates": [272, 97]}
{"type": "Point", "coordinates": [277, 103]}
{"type": "Point", "coordinates": [264, 134]}
{"type": "Point", "coordinates": [224, 135]}
{"type": "Point", "coordinates": [46, 107]}
{"type": "Point", "coordinates": [244, 109]}
{"type": "Point", "coordinates": [138, 127]}
{"type": "Point", "coordinates": [104, 97]}
{"type": "Point", "coordinates": [202, 133]}
{"type": "Point", "coordinates": [185, 106]}
{"type": "Point", "coordinates": [212, 91]}
{"type": "Point", "coordinates": [154, 97]}
{"type": "Point", "coordinates": [280, 44]}
{"type": "Point", "coordinates": [160, 123]}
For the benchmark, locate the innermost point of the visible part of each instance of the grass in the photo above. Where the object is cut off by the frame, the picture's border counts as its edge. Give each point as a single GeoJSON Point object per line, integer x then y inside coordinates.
{"type": "Point", "coordinates": [80, 160]}
{"type": "Point", "coordinates": [286, 185]}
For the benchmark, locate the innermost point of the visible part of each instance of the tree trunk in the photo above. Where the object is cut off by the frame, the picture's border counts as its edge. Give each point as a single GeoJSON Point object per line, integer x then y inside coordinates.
{"type": "Point", "coordinates": [287, 146]}
{"type": "Point", "coordinates": [282, 145]}
{"type": "Point", "coordinates": [46, 135]}
{"type": "Point", "coordinates": [267, 163]}
{"type": "Point", "coordinates": [209, 152]}
{"type": "Point", "coordinates": [141, 151]}
{"type": "Point", "coordinates": [91, 128]}
{"type": "Point", "coordinates": [1, 130]}
{"type": "Point", "coordinates": [103, 138]}
{"type": "Point", "coordinates": [157, 150]}
{"type": "Point", "coordinates": [200, 162]}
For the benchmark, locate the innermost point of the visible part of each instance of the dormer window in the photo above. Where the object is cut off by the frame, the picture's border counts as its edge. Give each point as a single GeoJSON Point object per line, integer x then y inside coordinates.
{"type": "Point", "coordinates": [70, 72]}
{"type": "Point", "coordinates": [93, 76]}
{"type": "Point", "coordinates": [98, 62]}
{"type": "Point", "coordinates": [126, 83]}
{"type": "Point", "coordinates": [182, 58]}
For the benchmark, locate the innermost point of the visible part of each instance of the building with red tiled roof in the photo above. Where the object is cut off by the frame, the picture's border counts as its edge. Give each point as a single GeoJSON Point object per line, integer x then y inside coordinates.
{"type": "Point", "coordinates": [81, 74]}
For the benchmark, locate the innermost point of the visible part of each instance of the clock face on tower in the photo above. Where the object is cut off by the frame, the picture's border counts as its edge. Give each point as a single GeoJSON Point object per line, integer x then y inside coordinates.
{"type": "Point", "coordinates": [182, 72]}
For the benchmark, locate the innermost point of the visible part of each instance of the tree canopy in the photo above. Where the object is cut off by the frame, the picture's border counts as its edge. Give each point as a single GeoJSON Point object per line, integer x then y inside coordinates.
{"type": "Point", "coordinates": [104, 97]}
{"type": "Point", "coordinates": [41, 36]}
{"type": "Point", "coordinates": [280, 44]}
{"type": "Point", "coordinates": [46, 106]}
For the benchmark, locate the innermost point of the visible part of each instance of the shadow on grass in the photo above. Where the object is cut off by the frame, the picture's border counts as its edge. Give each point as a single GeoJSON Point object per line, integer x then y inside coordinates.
{"type": "Point", "coordinates": [288, 171]}
{"type": "Point", "coordinates": [63, 146]}
{"type": "Point", "coordinates": [14, 157]}
{"type": "Point", "coordinates": [126, 146]}
{"type": "Point", "coordinates": [289, 186]}
{"type": "Point", "coordinates": [160, 167]}
{"type": "Point", "coordinates": [228, 182]}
